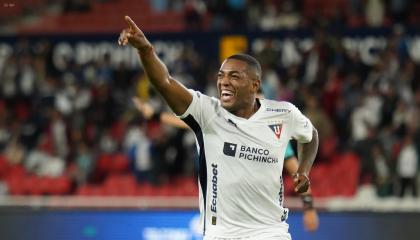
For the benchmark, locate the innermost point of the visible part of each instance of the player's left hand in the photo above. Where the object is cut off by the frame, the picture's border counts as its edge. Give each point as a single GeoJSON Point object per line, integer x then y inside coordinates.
{"type": "Point", "coordinates": [301, 182]}
{"type": "Point", "coordinates": [310, 220]}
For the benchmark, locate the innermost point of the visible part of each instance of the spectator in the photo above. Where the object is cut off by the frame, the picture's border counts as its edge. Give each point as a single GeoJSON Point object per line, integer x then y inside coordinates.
{"type": "Point", "coordinates": [288, 16]}
{"type": "Point", "coordinates": [318, 118]}
{"type": "Point", "coordinates": [42, 163]}
{"type": "Point", "coordinates": [362, 119]}
{"type": "Point", "coordinates": [58, 131]}
{"type": "Point", "coordinates": [193, 13]}
{"type": "Point", "coordinates": [375, 12]}
{"type": "Point", "coordinates": [407, 166]}
{"type": "Point", "coordinates": [8, 78]}
{"type": "Point", "coordinates": [85, 164]}
{"type": "Point", "coordinates": [159, 6]}
{"type": "Point", "coordinates": [399, 10]}
{"type": "Point", "coordinates": [270, 18]}
{"type": "Point", "coordinates": [382, 173]}
{"type": "Point", "coordinates": [138, 147]}
{"type": "Point", "coordinates": [14, 150]}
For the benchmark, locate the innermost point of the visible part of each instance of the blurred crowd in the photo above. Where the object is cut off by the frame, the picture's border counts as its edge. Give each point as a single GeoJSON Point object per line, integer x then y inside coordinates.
{"type": "Point", "coordinates": [56, 122]}
{"type": "Point", "coordinates": [269, 15]}
{"type": "Point", "coordinates": [266, 15]}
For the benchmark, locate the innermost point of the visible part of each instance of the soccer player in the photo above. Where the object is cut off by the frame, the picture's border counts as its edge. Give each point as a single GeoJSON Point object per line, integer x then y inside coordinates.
{"type": "Point", "coordinates": [310, 216]}
{"type": "Point", "coordinates": [240, 138]}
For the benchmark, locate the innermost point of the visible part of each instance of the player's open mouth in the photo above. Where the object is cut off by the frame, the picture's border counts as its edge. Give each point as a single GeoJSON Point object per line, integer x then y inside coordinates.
{"type": "Point", "coordinates": [226, 95]}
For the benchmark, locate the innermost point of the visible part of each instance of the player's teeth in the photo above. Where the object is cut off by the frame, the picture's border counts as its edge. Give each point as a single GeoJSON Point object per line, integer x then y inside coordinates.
{"type": "Point", "coordinates": [226, 93]}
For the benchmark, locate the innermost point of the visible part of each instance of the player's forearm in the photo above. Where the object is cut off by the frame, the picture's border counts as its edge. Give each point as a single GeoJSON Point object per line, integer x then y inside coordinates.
{"type": "Point", "coordinates": [307, 153]}
{"type": "Point", "coordinates": [174, 93]}
{"type": "Point", "coordinates": [155, 69]}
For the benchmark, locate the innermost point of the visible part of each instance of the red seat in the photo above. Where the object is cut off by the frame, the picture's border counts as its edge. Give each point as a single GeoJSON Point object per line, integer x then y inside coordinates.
{"type": "Point", "coordinates": [120, 163]}
{"type": "Point", "coordinates": [164, 190]}
{"type": "Point", "coordinates": [16, 170]}
{"type": "Point", "coordinates": [15, 185]}
{"type": "Point", "coordinates": [4, 166]}
{"type": "Point", "coordinates": [104, 163]}
{"type": "Point", "coordinates": [89, 190]}
{"type": "Point", "coordinates": [117, 185]}
{"type": "Point", "coordinates": [31, 185]}
{"type": "Point", "coordinates": [60, 185]}
{"type": "Point", "coordinates": [96, 191]}
{"type": "Point", "coordinates": [146, 189]}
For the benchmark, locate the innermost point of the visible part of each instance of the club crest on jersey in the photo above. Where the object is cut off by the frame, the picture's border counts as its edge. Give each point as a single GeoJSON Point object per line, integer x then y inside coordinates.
{"type": "Point", "coordinates": [276, 128]}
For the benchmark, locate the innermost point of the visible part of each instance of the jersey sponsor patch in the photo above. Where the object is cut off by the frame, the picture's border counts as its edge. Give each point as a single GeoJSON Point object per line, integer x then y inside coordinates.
{"type": "Point", "coordinates": [229, 149]}
{"type": "Point", "coordinates": [249, 153]}
{"type": "Point", "coordinates": [280, 110]}
{"type": "Point", "coordinates": [276, 128]}
{"type": "Point", "coordinates": [213, 206]}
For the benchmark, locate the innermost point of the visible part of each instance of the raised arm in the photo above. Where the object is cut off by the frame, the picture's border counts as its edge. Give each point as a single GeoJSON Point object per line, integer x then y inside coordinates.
{"type": "Point", "coordinates": [175, 94]}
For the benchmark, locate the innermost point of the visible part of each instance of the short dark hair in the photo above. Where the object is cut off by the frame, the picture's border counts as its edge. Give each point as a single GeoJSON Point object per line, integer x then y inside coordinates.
{"type": "Point", "coordinates": [250, 60]}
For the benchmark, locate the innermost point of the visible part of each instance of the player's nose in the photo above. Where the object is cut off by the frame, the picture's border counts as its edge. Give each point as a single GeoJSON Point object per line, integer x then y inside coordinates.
{"type": "Point", "coordinates": [224, 80]}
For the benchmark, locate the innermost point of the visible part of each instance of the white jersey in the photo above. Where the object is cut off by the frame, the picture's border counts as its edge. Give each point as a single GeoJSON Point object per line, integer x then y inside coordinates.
{"type": "Point", "coordinates": [240, 166]}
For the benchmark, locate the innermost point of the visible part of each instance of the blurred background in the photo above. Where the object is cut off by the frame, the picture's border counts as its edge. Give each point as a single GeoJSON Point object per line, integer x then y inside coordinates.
{"type": "Point", "coordinates": [76, 152]}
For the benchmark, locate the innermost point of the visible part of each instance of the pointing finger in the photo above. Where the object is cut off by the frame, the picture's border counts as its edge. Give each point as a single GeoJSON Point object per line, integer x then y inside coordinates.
{"type": "Point", "coordinates": [133, 29]}
{"type": "Point", "coordinates": [130, 22]}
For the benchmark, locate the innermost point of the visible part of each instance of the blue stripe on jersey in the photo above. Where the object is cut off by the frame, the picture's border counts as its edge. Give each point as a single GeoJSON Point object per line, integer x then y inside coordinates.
{"type": "Point", "coordinates": [202, 165]}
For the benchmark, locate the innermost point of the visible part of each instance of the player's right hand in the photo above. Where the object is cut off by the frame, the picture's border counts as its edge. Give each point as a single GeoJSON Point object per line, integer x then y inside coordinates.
{"type": "Point", "coordinates": [134, 36]}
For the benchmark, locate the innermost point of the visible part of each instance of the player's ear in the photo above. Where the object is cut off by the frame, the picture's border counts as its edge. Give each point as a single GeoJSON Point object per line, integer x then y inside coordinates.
{"type": "Point", "coordinates": [256, 84]}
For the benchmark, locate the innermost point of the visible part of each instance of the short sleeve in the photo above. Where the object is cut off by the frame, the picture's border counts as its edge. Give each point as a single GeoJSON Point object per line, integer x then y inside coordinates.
{"type": "Point", "coordinates": [301, 126]}
{"type": "Point", "coordinates": [201, 110]}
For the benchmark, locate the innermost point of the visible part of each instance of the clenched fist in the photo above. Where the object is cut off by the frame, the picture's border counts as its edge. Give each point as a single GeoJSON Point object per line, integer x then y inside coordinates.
{"type": "Point", "coordinates": [302, 182]}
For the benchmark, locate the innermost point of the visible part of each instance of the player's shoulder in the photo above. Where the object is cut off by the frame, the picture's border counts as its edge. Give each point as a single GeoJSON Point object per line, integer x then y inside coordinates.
{"type": "Point", "coordinates": [278, 106]}
{"type": "Point", "coordinates": [205, 99]}
{"type": "Point", "coordinates": [200, 95]}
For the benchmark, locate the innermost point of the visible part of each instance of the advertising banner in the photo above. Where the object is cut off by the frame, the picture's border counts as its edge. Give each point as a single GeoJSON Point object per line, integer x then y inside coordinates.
{"type": "Point", "coordinates": [184, 225]}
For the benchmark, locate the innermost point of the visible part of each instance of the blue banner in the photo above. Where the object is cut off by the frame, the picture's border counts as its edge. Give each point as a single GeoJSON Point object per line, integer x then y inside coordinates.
{"type": "Point", "coordinates": [184, 225]}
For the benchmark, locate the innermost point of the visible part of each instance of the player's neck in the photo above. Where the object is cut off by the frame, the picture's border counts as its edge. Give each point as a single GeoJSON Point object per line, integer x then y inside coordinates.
{"type": "Point", "coordinates": [249, 111]}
